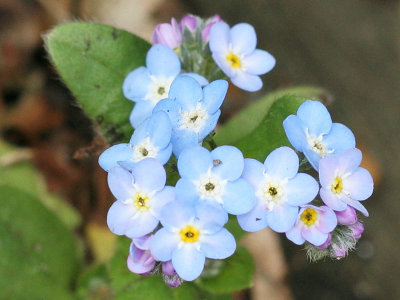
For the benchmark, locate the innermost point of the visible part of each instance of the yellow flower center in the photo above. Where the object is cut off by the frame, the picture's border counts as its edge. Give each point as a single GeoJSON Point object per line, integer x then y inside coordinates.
{"type": "Point", "coordinates": [234, 60]}
{"type": "Point", "coordinates": [141, 202]}
{"type": "Point", "coordinates": [337, 185]}
{"type": "Point", "coordinates": [309, 216]}
{"type": "Point", "coordinates": [189, 234]}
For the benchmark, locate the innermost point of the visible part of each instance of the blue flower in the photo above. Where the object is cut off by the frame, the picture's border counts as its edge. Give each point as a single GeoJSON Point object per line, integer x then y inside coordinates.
{"type": "Point", "coordinates": [279, 191]}
{"type": "Point", "coordinates": [148, 85]}
{"type": "Point", "coordinates": [140, 197]}
{"type": "Point", "coordinates": [343, 182]}
{"type": "Point", "coordinates": [234, 51]}
{"type": "Point", "coordinates": [190, 234]}
{"type": "Point", "coordinates": [193, 111]}
{"type": "Point", "coordinates": [214, 177]}
{"type": "Point", "coordinates": [312, 132]}
{"type": "Point", "coordinates": [150, 140]}
{"type": "Point", "coordinates": [313, 225]}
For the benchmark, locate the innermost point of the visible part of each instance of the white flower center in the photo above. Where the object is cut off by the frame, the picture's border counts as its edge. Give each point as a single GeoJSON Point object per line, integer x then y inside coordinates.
{"type": "Point", "coordinates": [141, 203]}
{"type": "Point", "coordinates": [194, 119]}
{"type": "Point", "coordinates": [317, 145]}
{"type": "Point", "coordinates": [272, 192]}
{"type": "Point", "coordinates": [159, 88]}
{"type": "Point", "coordinates": [211, 187]}
{"type": "Point", "coordinates": [144, 150]}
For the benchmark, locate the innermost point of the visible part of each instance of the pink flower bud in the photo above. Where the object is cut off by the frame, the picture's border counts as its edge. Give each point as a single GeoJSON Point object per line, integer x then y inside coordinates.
{"type": "Point", "coordinates": [326, 244]}
{"type": "Point", "coordinates": [205, 34]}
{"type": "Point", "coordinates": [189, 22]}
{"type": "Point", "coordinates": [168, 268]}
{"type": "Point", "coordinates": [357, 230]}
{"type": "Point", "coordinates": [347, 216]}
{"type": "Point", "coordinates": [140, 260]}
{"type": "Point", "coordinates": [168, 34]}
{"type": "Point", "coordinates": [339, 252]}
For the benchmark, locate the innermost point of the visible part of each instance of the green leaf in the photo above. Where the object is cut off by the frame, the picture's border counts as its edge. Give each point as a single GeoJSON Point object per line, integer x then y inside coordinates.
{"type": "Point", "coordinates": [38, 254]}
{"type": "Point", "coordinates": [269, 134]}
{"type": "Point", "coordinates": [229, 275]}
{"type": "Point", "coordinates": [13, 167]}
{"type": "Point", "coordinates": [94, 284]}
{"type": "Point", "coordinates": [93, 60]}
{"type": "Point", "coordinates": [250, 117]}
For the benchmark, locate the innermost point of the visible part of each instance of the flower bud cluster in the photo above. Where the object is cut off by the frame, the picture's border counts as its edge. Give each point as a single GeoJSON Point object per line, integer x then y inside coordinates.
{"type": "Point", "coordinates": [175, 228]}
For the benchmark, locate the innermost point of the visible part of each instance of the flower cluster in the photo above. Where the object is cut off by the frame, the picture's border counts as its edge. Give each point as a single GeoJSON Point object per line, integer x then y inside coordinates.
{"type": "Point", "coordinates": [178, 96]}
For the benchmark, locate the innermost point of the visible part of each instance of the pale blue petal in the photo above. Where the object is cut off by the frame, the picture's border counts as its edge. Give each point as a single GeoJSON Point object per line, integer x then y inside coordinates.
{"type": "Point", "coordinates": [186, 191]}
{"type": "Point", "coordinates": [223, 64]}
{"type": "Point", "coordinates": [301, 190]}
{"type": "Point", "coordinates": [171, 108]}
{"type": "Point", "coordinates": [314, 236]}
{"type": "Point", "coordinates": [141, 112]}
{"type": "Point", "coordinates": [210, 218]}
{"type": "Point", "coordinates": [312, 157]}
{"type": "Point", "coordinates": [186, 91]}
{"type": "Point", "coordinates": [295, 132]}
{"type": "Point", "coordinates": [229, 162]}
{"type": "Point", "coordinates": [139, 134]}
{"type": "Point", "coordinates": [283, 163]}
{"type": "Point", "coordinates": [253, 172]}
{"type": "Point", "coordinates": [182, 139]}
{"type": "Point", "coordinates": [219, 36]}
{"type": "Point", "coordinates": [340, 138]}
{"type": "Point", "coordinates": [315, 116]}
{"type": "Point", "coordinates": [136, 84]}
{"type": "Point", "coordinates": [177, 214]}
{"type": "Point", "coordinates": [328, 171]}
{"type": "Point", "coordinates": [214, 95]}
{"type": "Point", "coordinates": [120, 183]}
{"type": "Point", "coordinates": [163, 244]}
{"type": "Point", "coordinates": [162, 198]}
{"type": "Point", "coordinates": [142, 224]}
{"type": "Point", "coordinates": [164, 155]}
{"type": "Point", "coordinates": [359, 184]}
{"type": "Point", "coordinates": [219, 245]}
{"type": "Point", "coordinates": [259, 62]}
{"type": "Point", "coordinates": [357, 205]}
{"type": "Point", "coordinates": [159, 129]}
{"type": "Point", "coordinates": [327, 219]}
{"type": "Point", "coordinates": [162, 61]}
{"type": "Point", "coordinates": [331, 200]}
{"type": "Point", "coordinates": [243, 38]}
{"type": "Point", "coordinates": [239, 197]}
{"type": "Point", "coordinates": [295, 236]}
{"type": "Point", "coordinates": [210, 125]}
{"type": "Point", "coordinates": [194, 162]}
{"type": "Point", "coordinates": [348, 160]}
{"type": "Point", "coordinates": [118, 217]}
{"type": "Point", "coordinates": [188, 262]}
{"type": "Point", "coordinates": [149, 175]}
{"type": "Point", "coordinates": [200, 79]}
{"type": "Point", "coordinates": [109, 158]}
{"type": "Point", "coordinates": [254, 220]}
{"type": "Point", "coordinates": [282, 218]}
{"type": "Point", "coordinates": [247, 82]}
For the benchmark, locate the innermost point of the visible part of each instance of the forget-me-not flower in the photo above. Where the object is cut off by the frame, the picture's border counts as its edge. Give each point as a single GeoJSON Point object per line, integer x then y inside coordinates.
{"type": "Point", "coordinates": [312, 132]}
{"type": "Point", "coordinates": [313, 225]}
{"type": "Point", "coordinates": [190, 234]}
{"type": "Point", "coordinates": [193, 111]}
{"type": "Point", "coordinates": [152, 139]}
{"type": "Point", "coordinates": [344, 182]}
{"type": "Point", "coordinates": [214, 177]}
{"type": "Point", "coordinates": [168, 34]}
{"type": "Point", "coordinates": [234, 51]}
{"type": "Point", "coordinates": [140, 197]}
{"type": "Point", "coordinates": [279, 191]}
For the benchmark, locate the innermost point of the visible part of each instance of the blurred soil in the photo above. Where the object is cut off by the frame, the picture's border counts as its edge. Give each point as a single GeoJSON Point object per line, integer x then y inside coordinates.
{"type": "Point", "coordinates": [351, 48]}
